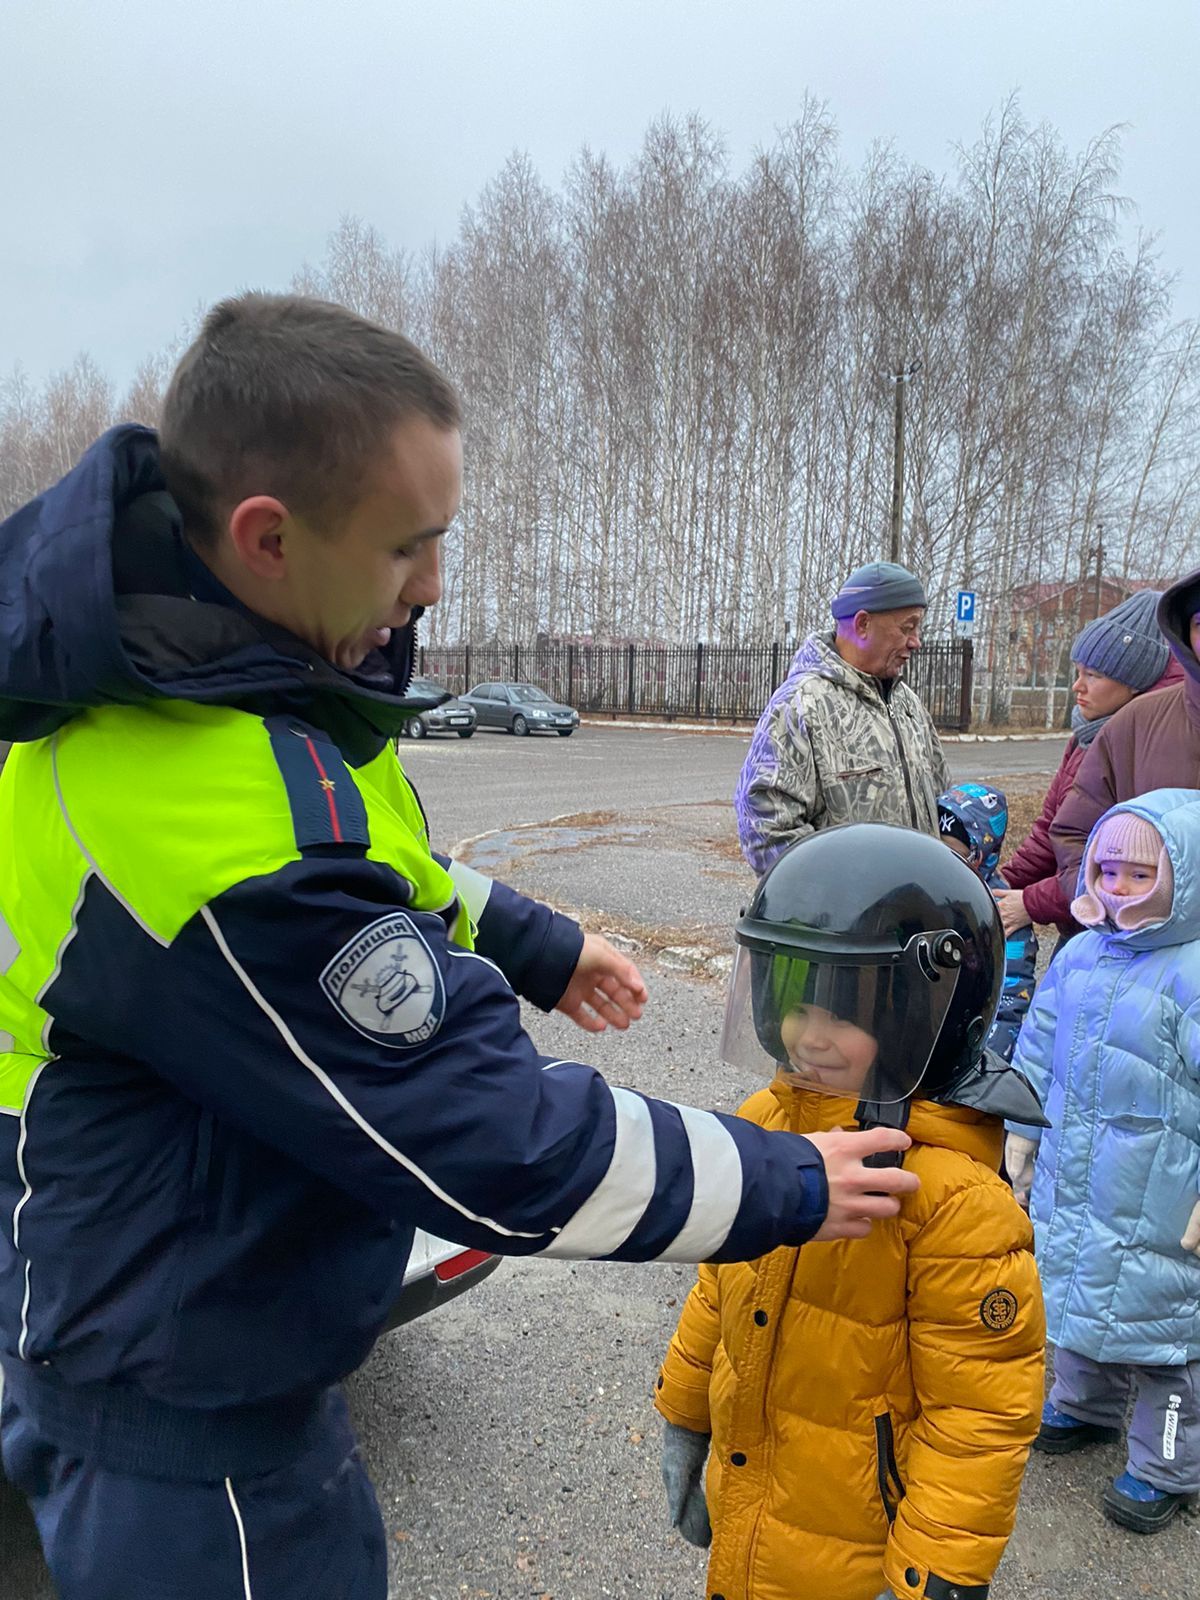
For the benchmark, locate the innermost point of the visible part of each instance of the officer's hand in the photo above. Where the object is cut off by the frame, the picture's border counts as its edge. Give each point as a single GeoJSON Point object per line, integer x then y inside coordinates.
{"type": "Point", "coordinates": [1012, 909]}
{"type": "Point", "coordinates": [858, 1195]}
{"type": "Point", "coordinates": [1191, 1234]}
{"type": "Point", "coordinates": [606, 989]}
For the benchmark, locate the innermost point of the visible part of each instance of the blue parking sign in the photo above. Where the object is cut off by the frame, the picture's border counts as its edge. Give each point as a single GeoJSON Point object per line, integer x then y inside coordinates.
{"type": "Point", "coordinates": [964, 610]}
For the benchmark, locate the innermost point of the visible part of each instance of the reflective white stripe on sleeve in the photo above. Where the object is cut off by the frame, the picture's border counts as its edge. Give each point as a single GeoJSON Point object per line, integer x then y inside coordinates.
{"type": "Point", "coordinates": [474, 890]}
{"type": "Point", "coordinates": [717, 1190]}
{"type": "Point", "coordinates": [616, 1205]}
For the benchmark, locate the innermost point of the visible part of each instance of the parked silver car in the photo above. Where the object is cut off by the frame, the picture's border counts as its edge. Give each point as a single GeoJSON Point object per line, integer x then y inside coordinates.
{"type": "Point", "coordinates": [438, 711]}
{"type": "Point", "coordinates": [520, 708]}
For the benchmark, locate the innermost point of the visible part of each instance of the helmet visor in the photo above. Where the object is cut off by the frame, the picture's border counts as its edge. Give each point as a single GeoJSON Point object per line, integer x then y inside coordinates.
{"type": "Point", "coordinates": [855, 1026]}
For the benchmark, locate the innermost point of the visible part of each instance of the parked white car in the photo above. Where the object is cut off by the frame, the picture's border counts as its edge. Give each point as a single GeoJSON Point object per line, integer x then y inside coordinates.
{"type": "Point", "coordinates": [438, 1271]}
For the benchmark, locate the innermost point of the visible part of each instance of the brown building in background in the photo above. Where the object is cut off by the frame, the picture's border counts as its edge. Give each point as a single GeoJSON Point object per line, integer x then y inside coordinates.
{"type": "Point", "coordinates": [1047, 616]}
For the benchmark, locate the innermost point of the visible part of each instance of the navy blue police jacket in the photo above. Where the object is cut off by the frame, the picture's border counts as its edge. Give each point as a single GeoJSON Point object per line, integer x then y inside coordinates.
{"type": "Point", "coordinates": [209, 1191]}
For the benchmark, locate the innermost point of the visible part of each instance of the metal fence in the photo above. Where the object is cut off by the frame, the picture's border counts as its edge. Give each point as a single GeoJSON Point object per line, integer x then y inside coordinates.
{"type": "Point", "coordinates": [721, 682]}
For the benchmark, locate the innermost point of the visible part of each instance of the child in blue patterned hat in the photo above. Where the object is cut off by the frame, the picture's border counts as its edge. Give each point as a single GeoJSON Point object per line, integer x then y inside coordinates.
{"type": "Point", "coordinates": [972, 820]}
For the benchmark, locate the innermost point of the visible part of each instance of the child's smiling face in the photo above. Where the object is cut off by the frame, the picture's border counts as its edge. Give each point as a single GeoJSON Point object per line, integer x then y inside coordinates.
{"type": "Point", "coordinates": [833, 1055]}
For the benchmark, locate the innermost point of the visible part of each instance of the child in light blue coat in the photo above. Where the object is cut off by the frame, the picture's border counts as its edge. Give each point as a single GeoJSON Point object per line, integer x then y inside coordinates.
{"type": "Point", "coordinates": [1112, 1046]}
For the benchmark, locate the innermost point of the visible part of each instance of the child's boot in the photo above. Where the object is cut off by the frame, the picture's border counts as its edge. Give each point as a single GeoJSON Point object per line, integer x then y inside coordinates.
{"type": "Point", "coordinates": [1060, 1433]}
{"type": "Point", "coordinates": [1139, 1505]}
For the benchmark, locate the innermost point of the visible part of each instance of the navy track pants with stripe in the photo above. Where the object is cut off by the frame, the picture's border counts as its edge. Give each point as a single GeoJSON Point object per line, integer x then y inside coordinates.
{"type": "Point", "coordinates": [309, 1531]}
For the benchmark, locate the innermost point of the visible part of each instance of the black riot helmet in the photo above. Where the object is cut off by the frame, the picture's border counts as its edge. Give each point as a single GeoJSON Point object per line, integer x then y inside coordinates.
{"type": "Point", "coordinates": [869, 964]}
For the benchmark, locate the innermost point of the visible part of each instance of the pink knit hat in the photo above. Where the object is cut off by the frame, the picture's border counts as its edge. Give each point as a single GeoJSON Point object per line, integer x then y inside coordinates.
{"type": "Point", "coordinates": [1131, 839]}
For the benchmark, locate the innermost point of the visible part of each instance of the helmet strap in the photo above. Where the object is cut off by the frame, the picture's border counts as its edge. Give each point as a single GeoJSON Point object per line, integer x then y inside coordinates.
{"type": "Point", "coordinates": [873, 1114]}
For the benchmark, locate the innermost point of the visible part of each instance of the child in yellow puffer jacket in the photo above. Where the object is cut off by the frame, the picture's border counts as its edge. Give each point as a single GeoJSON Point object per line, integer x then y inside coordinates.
{"type": "Point", "coordinates": [870, 1403]}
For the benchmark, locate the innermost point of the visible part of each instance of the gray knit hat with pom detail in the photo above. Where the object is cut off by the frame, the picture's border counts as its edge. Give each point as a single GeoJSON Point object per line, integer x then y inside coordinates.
{"type": "Point", "coordinates": [1126, 643]}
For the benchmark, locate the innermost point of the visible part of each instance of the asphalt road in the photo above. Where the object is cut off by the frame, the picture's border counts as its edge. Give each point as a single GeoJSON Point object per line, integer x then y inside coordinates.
{"type": "Point", "coordinates": [496, 781]}
{"type": "Point", "coordinates": [511, 1434]}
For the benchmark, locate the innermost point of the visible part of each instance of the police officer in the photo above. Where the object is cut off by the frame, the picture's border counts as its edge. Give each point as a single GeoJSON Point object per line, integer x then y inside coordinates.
{"type": "Point", "coordinates": [255, 1032]}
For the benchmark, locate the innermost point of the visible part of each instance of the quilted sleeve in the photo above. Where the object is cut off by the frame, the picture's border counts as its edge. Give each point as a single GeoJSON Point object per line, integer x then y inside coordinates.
{"type": "Point", "coordinates": [681, 1393]}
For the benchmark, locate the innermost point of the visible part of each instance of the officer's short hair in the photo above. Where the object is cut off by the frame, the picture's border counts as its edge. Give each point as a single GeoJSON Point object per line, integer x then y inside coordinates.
{"type": "Point", "coordinates": [293, 397]}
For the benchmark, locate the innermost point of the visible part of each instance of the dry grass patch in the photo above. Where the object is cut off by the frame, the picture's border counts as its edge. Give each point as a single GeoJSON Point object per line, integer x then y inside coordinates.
{"type": "Point", "coordinates": [1025, 801]}
{"type": "Point", "coordinates": [1024, 808]}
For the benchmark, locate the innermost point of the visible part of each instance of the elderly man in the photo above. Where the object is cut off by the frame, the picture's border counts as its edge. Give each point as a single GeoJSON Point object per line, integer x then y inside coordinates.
{"type": "Point", "coordinates": [843, 739]}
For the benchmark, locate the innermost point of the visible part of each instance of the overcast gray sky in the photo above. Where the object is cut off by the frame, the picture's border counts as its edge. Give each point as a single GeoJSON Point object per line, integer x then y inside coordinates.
{"type": "Point", "coordinates": [155, 157]}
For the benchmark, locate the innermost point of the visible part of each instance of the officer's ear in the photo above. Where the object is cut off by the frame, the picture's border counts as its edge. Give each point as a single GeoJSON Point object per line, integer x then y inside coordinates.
{"type": "Point", "coordinates": [862, 626]}
{"type": "Point", "coordinates": [257, 527]}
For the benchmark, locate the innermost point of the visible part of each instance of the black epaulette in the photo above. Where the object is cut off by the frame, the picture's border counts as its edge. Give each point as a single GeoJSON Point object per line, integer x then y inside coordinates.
{"type": "Point", "coordinates": [327, 808]}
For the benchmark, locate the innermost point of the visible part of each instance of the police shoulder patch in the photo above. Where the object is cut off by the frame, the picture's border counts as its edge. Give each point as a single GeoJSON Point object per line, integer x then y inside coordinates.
{"type": "Point", "coordinates": [998, 1310]}
{"type": "Point", "coordinates": [386, 984]}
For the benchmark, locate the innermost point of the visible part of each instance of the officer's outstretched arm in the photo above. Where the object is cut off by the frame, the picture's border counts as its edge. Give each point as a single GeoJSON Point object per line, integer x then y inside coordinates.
{"type": "Point", "coordinates": [536, 949]}
{"type": "Point", "coordinates": [309, 1010]}
{"type": "Point", "coordinates": [546, 956]}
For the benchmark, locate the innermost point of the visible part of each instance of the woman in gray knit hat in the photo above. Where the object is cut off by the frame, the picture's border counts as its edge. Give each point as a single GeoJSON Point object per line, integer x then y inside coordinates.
{"type": "Point", "coordinates": [1118, 656]}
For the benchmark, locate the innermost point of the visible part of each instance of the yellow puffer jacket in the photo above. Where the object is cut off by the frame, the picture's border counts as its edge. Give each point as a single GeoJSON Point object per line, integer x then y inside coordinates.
{"type": "Point", "coordinates": [871, 1401]}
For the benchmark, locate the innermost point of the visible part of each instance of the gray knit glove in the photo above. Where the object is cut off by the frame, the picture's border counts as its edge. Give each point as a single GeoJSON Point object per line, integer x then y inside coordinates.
{"type": "Point", "coordinates": [683, 1457]}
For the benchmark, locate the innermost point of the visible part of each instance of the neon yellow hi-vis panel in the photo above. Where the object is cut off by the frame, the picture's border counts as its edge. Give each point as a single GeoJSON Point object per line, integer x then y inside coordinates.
{"type": "Point", "coordinates": [171, 805]}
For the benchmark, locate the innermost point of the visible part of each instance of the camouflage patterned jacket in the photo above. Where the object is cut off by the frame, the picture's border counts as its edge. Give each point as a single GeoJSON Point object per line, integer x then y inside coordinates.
{"type": "Point", "coordinates": [828, 749]}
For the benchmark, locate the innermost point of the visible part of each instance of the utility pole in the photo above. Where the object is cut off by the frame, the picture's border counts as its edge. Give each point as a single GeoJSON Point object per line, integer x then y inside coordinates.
{"type": "Point", "coordinates": [899, 377]}
{"type": "Point", "coordinates": [1099, 562]}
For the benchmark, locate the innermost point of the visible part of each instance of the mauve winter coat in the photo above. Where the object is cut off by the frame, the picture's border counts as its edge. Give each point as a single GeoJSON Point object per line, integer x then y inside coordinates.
{"type": "Point", "coordinates": [1152, 743]}
{"type": "Point", "coordinates": [1033, 866]}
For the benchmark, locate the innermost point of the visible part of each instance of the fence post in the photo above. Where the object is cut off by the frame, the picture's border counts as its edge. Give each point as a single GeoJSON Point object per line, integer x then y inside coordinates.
{"type": "Point", "coordinates": [699, 675]}
{"type": "Point", "coordinates": [421, 661]}
{"type": "Point", "coordinates": [516, 663]}
{"type": "Point", "coordinates": [968, 676]}
{"type": "Point", "coordinates": [629, 683]}
{"type": "Point", "coordinates": [467, 684]}
{"type": "Point", "coordinates": [570, 674]}
{"type": "Point", "coordinates": [774, 669]}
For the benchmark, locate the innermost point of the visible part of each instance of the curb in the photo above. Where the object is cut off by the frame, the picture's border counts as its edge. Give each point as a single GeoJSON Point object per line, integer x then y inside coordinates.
{"type": "Point", "coordinates": [743, 731]}
{"type": "Point", "coordinates": [740, 731]}
{"type": "Point", "coordinates": [698, 960]}
{"type": "Point", "coordinates": [1005, 738]}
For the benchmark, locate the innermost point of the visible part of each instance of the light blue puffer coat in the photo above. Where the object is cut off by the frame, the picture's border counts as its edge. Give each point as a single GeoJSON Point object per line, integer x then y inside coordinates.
{"type": "Point", "coordinates": [1112, 1046]}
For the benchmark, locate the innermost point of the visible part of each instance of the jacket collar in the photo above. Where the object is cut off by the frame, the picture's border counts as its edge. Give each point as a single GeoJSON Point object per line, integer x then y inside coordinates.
{"type": "Point", "coordinates": [973, 1133]}
{"type": "Point", "coordinates": [819, 653]}
{"type": "Point", "coordinates": [1174, 613]}
{"type": "Point", "coordinates": [105, 611]}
